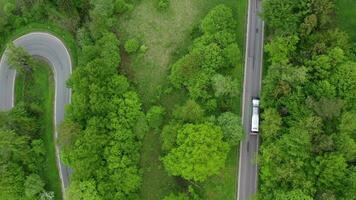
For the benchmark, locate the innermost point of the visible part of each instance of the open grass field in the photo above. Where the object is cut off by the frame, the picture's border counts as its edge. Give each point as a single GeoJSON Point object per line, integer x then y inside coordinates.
{"type": "Point", "coordinates": [346, 16]}
{"type": "Point", "coordinates": [167, 36]}
{"type": "Point", "coordinates": [43, 87]}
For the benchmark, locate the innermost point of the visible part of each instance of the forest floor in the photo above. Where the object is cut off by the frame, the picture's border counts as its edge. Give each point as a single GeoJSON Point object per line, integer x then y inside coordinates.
{"type": "Point", "coordinates": [44, 89]}
{"type": "Point", "coordinates": [167, 36]}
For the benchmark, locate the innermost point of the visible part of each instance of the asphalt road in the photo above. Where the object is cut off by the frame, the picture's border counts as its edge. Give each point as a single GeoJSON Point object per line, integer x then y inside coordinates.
{"type": "Point", "coordinates": [52, 50]}
{"type": "Point", "coordinates": [248, 169]}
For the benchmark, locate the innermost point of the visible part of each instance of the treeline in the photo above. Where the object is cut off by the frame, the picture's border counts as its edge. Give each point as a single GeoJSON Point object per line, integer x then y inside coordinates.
{"type": "Point", "coordinates": [196, 140]}
{"type": "Point", "coordinates": [22, 151]}
{"type": "Point", "coordinates": [308, 133]}
{"type": "Point", "coordinates": [98, 138]}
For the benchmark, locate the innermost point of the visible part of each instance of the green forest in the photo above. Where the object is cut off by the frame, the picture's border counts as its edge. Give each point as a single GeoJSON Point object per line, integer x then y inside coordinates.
{"type": "Point", "coordinates": [109, 118]}
{"type": "Point", "coordinates": [156, 94]}
{"type": "Point", "coordinates": [308, 146]}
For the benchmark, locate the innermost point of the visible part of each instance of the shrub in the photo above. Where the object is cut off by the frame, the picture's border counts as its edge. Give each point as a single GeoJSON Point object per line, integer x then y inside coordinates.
{"type": "Point", "coordinates": [121, 6]}
{"type": "Point", "coordinates": [141, 127]}
{"type": "Point", "coordinates": [155, 117]}
{"type": "Point", "coordinates": [163, 4]}
{"type": "Point", "coordinates": [169, 135]}
{"type": "Point", "coordinates": [191, 111]}
{"type": "Point", "coordinates": [131, 46]}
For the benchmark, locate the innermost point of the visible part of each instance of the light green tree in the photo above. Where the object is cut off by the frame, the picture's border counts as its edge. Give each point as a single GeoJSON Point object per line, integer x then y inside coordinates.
{"type": "Point", "coordinates": [33, 185]}
{"type": "Point", "coordinates": [19, 59]}
{"type": "Point", "coordinates": [200, 152]}
{"type": "Point", "coordinates": [83, 190]}
{"type": "Point", "coordinates": [230, 124]}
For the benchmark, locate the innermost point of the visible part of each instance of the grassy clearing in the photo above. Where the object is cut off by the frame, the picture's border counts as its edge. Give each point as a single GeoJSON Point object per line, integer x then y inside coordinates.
{"type": "Point", "coordinates": [43, 87]}
{"type": "Point", "coordinates": [156, 183]}
{"type": "Point", "coordinates": [223, 186]}
{"type": "Point", "coordinates": [167, 35]}
{"type": "Point", "coordinates": [346, 16]}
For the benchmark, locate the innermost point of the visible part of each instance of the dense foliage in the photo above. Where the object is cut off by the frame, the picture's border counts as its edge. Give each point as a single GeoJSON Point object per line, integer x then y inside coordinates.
{"type": "Point", "coordinates": [196, 140]}
{"type": "Point", "coordinates": [131, 45]}
{"type": "Point", "coordinates": [98, 140]}
{"type": "Point", "coordinates": [22, 152]}
{"type": "Point", "coordinates": [104, 149]}
{"type": "Point", "coordinates": [308, 101]}
{"type": "Point", "coordinates": [200, 152]}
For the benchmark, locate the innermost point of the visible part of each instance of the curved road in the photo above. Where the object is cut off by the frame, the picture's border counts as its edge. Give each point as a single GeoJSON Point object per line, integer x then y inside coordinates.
{"type": "Point", "coordinates": [53, 50]}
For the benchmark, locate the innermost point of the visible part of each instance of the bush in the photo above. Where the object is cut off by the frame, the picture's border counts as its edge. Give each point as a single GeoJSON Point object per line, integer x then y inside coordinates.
{"type": "Point", "coordinates": [163, 4]}
{"type": "Point", "coordinates": [169, 135]}
{"type": "Point", "coordinates": [155, 117]}
{"type": "Point", "coordinates": [191, 111]}
{"type": "Point", "coordinates": [121, 6]}
{"type": "Point", "coordinates": [141, 127]}
{"type": "Point", "coordinates": [131, 46]}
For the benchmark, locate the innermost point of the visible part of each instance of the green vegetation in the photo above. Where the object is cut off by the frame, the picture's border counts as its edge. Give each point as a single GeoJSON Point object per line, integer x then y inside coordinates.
{"type": "Point", "coordinates": [106, 110]}
{"type": "Point", "coordinates": [43, 86]}
{"type": "Point", "coordinates": [199, 153]}
{"type": "Point", "coordinates": [115, 149]}
{"type": "Point", "coordinates": [150, 73]}
{"type": "Point", "coordinates": [131, 46]}
{"type": "Point", "coordinates": [31, 122]}
{"type": "Point", "coordinates": [168, 36]}
{"type": "Point", "coordinates": [346, 17]}
{"type": "Point", "coordinates": [308, 100]}
{"type": "Point", "coordinates": [163, 4]}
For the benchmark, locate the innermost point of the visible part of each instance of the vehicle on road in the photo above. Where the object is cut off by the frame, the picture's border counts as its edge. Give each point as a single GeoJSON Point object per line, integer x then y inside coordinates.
{"type": "Point", "coordinates": [255, 121]}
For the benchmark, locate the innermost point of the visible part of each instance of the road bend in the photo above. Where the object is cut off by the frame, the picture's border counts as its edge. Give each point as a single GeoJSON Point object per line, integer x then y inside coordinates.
{"type": "Point", "coordinates": [53, 51]}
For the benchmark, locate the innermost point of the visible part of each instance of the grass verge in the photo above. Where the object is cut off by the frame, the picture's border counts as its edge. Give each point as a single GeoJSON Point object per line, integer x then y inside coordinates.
{"type": "Point", "coordinates": [167, 36]}
{"type": "Point", "coordinates": [43, 88]}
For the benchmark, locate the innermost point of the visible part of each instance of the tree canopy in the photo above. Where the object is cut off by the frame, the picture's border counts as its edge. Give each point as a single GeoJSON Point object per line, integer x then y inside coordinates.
{"type": "Point", "coordinates": [308, 143]}
{"type": "Point", "coordinates": [200, 152]}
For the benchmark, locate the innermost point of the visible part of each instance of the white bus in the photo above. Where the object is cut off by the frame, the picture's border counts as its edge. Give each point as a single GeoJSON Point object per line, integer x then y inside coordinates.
{"type": "Point", "coordinates": [255, 121]}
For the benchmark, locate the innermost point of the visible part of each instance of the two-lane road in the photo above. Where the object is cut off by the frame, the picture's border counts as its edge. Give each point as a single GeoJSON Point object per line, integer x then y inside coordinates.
{"type": "Point", "coordinates": [51, 49]}
{"type": "Point", "coordinates": [248, 170]}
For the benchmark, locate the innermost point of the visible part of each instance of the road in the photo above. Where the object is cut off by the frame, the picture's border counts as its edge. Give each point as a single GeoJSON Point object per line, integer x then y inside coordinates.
{"type": "Point", "coordinates": [52, 50]}
{"type": "Point", "coordinates": [248, 169]}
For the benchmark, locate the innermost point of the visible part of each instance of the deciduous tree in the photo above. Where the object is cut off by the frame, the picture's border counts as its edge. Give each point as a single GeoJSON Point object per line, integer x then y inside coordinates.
{"type": "Point", "coordinates": [200, 152]}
